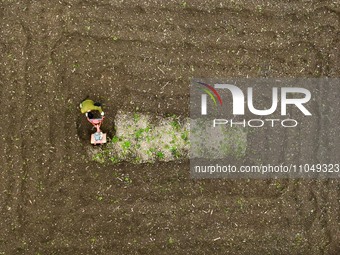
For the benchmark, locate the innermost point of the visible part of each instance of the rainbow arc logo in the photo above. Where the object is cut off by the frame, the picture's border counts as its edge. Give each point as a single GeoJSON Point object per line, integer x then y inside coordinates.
{"type": "Point", "coordinates": [211, 91]}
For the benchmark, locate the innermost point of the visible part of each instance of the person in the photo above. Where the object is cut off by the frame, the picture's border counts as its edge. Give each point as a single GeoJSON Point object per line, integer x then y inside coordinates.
{"type": "Point", "coordinates": [88, 105]}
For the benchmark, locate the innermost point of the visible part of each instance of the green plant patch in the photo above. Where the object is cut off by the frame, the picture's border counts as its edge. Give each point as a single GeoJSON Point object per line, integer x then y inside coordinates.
{"type": "Point", "coordinates": [142, 138]}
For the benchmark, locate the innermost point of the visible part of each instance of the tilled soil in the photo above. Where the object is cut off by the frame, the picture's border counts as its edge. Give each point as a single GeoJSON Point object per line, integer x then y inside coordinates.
{"type": "Point", "coordinates": [140, 56]}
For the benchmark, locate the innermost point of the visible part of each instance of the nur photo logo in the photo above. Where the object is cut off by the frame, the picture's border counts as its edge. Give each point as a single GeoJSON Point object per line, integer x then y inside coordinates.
{"type": "Point", "coordinates": [243, 99]}
{"type": "Point", "coordinates": [273, 127]}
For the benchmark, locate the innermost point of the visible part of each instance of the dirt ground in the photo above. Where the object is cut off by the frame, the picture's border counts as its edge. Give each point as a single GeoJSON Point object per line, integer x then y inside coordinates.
{"type": "Point", "coordinates": [140, 55]}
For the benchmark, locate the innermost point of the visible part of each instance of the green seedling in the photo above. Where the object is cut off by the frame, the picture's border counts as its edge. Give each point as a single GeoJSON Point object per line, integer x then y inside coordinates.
{"type": "Point", "coordinates": [160, 155]}
{"type": "Point", "coordinates": [139, 133]}
{"type": "Point", "coordinates": [171, 240]}
{"type": "Point", "coordinates": [136, 117]}
{"type": "Point", "coordinates": [126, 145]}
{"type": "Point", "coordinates": [184, 136]}
{"type": "Point", "coordinates": [114, 160]}
{"type": "Point", "coordinates": [240, 203]}
{"type": "Point", "coordinates": [175, 152]}
{"type": "Point", "coordinates": [115, 139]}
{"type": "Point", "coordinates": [175, 124]}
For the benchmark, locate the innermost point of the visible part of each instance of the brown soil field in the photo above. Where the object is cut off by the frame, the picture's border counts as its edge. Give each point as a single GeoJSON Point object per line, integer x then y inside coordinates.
{"type": "Point", "coordinates": [140, 55]}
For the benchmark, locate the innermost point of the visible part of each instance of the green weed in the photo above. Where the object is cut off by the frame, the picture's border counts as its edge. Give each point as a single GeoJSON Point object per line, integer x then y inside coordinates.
{"type": "Point", "coordinates": [160, 155]}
